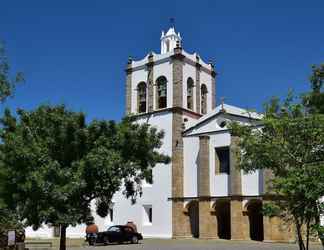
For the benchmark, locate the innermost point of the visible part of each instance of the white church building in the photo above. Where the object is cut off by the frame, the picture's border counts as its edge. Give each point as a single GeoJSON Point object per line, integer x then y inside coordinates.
{"type": "Point", "coordinates": [200, 193]}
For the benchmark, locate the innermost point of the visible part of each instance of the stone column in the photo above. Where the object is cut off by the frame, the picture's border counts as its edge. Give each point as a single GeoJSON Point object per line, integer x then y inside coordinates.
{"type": "Point", "coordinates": [198, 67]}
{"type": "Point", "coordinates": [213, 90]}
{"type": "Point", "coordinates": [180, 221]}
{"type": "Point", "coordinates": [177, 74]}
{"type": "Point", "coordinates": [207, 220]}
{"type": "Point", "coordinates": [128, 104]}
{"type": "Point", "coordinates": [150, 83]}
{"type": "Point", "coordinates": [267, 227]}
{"type": "Point", "coordinates": [235, 173]}
{"type": "Point", "coordinates": [203, 167]}
{"type": "Point", "coordinates": [239, 221]}
{"type": "Point", "coordinates": [267, 177]}
{"type": "Point", "coordinates": [275, 229]}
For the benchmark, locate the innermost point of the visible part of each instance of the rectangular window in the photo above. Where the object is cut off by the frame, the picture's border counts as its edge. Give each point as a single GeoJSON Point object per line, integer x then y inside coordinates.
{"type": "Point", "coordinates": [111, 214]}
{"type": "Point", "coordinates": [147, 220]}
{"type": "Point", "coordinates": [57, 231]}
{"type": "Point", "coordinates": [222, 158]}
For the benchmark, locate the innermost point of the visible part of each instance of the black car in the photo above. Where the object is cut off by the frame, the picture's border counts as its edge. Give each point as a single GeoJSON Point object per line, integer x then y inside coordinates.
{"type": "Point", "coordinates": [118, 234]}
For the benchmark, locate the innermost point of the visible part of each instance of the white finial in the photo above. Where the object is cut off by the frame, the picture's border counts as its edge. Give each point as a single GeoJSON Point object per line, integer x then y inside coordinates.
{"type": "Point", "coordinates": [222, 103]}
{"type": "Point", "coordinates": [170, 39]}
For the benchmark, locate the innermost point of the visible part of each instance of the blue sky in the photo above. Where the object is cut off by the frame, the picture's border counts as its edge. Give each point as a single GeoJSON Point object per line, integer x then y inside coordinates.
{"type": "Point", "coordinates": [75, 51]}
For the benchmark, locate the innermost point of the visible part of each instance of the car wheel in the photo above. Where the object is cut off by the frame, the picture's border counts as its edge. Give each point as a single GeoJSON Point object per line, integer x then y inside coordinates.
{"type": "Point", "coordinates": [92, 242]}
{"type": "Point", "coordinates": [134, 239]}
{"type": "Point", "coordinates": [106, 240]}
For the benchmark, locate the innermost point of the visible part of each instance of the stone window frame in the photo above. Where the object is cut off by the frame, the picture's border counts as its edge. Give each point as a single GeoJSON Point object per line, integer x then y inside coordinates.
{"type": "Point", "coordinates": [190, 96]}
{"type": "Point", "coordinates": [159, 99]}
{"type": "Point", "coordinates": [139, 107]}
{"type": "Point", "coordinates": [203, 98]}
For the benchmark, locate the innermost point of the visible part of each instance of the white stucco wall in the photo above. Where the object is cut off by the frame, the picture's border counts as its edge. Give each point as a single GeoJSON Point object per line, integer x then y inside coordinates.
{"type": "Point", "coordinates": [252, 183]}
{"type": "Point", "coordinates": [219, 183]}
{"type": "Point", "coordinates": [156, 194]}
{"type": "Point", "coordinates": [190, 156]}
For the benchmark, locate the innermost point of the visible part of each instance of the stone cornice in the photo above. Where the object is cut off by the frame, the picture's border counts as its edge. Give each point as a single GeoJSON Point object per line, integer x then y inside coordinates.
{"type": "Point", "coordinates": [172, 109]}
{"type": "Point", "coordinates": [229, 197]}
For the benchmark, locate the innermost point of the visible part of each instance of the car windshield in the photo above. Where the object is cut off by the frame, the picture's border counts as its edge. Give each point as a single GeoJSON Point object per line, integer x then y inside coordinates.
{"type": "Point", "coordinates": [114, 229]}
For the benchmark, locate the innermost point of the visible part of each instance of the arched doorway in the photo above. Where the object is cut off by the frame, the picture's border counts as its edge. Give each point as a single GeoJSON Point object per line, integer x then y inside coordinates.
{"type": "Point", "coordinates": [254, 209]}
{"type": "Point", "coordinates": [193, 213]}
{"type": "Point", "coordinates": [223, 214]}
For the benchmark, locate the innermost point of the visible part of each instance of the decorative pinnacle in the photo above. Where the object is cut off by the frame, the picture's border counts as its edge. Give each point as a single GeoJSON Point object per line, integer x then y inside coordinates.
{"type": "Point", "coordinates": [222, 104]}
{"type": "Point", "coordinates": [211, 63]}
{"type": "Point", "coordinates": [130, 59]}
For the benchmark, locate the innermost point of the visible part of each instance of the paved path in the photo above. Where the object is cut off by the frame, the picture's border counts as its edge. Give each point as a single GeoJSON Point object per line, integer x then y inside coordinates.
{"type": "Point", "coordinates": [155, 244]}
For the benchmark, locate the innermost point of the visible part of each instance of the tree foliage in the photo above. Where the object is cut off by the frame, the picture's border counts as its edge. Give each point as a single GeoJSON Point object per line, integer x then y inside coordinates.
{"type": "Point", "coordinates": [8, 218]}
{"type": "Point", "coordinates": [57, 165]}
{"type": "Point", "coordinates": [7, 82]}
{"type": "Point", "coordinates": [290, 142]}
{"type": "Point", "coordinates": [314, 100]}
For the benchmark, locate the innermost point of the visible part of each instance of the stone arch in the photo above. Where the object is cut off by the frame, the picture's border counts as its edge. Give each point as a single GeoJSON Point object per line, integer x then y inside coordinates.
{"type": "Point", "coordinates": [254, 212]}
{"type": "Point", "coordinates": [161, 93]}
{"type": "Point", "coordinates": [222, 209]}
{"type": "Point", "coordinates": [141, 97]}
{"type": "Point", "coordinates": [190, 87]}
{"type": "Point", "coordinates": [203, 99]}
{"type": "Point", "coordinates": [192, 210]}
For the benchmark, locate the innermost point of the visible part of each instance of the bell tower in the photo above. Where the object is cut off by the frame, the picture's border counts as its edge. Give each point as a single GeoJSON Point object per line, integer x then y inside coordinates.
{"type": "Point", "coordinates": [170, 91]}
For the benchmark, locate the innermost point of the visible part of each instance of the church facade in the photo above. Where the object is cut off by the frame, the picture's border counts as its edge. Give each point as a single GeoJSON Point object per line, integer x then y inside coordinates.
{"type": "Point", "coordinates": [200, 193]}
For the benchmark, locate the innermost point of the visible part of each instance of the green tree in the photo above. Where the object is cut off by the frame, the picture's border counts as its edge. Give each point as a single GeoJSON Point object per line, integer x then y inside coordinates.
{"type": "Point", "coordinates": [314, 100]}
{"type": "Point", "coordinates": [8, 218]}
{"type": "Point", "coordinates": [290, 144]}
{"type": "Point", "coordinates": [7, 82]}
{"type": "Point", "coordinates": [57, 165]}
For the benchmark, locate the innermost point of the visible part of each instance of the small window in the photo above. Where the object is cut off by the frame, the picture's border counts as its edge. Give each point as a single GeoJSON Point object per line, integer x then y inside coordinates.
{"type": "Point", "coordinates": [57, 231]}
{"type": "Point", "coordinates": [128, 229]}
{"type": "Point", "coordinates": [222, 158]}
{"type": "Point", "coordinates": [222, 124]}
{"type": "Point", "coordinates": [147, 214]}
{"type": "Point", "coordinates": [114, 229]}
{"type": "Point", "coordinates": [111, 214]}
{"type": "Point", "coordinates": [167, 45]}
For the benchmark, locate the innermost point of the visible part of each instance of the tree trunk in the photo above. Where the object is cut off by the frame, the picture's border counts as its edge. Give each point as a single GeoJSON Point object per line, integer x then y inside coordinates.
{"type": "Point", "coordinates": [63, 238]}
{"type": "Point", "coordinates": [307, 234]}
{"type": "Point", "coordinates": [300, 237]}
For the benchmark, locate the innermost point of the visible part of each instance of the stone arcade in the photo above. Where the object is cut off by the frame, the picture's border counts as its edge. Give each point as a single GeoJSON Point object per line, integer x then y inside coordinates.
{"type": "Point", "coordinates": [200, 193]}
